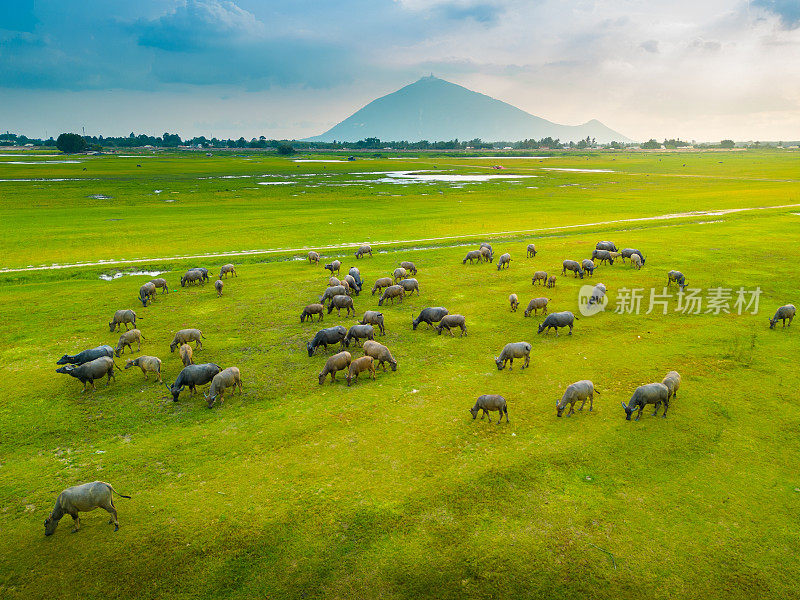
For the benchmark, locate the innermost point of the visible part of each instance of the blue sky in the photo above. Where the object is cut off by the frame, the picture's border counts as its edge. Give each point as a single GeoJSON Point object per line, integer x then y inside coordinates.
{"type": "Point", "coordinates": [699, 70]}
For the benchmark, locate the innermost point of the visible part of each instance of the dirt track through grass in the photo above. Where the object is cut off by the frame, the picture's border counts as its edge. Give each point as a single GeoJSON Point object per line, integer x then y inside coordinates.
{"type": "Point", "coordinates": [400, 244]}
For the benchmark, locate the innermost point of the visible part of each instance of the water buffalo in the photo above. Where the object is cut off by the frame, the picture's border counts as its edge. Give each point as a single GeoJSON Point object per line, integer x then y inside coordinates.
{"type": "Point", "coordinates": [86, 355]}
{"type": "Point", "coordinates": [557, 320]}
{"type": "Point", "coordinates": [192, 376]}
{"type": "Point", "coordinates": [88, 372]}
{"type": "Point", "coordinates": [327, 337]}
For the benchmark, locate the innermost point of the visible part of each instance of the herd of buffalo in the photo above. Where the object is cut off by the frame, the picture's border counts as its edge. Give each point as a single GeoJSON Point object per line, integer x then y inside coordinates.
{"type": "Point", "coordinates": [92, 364]}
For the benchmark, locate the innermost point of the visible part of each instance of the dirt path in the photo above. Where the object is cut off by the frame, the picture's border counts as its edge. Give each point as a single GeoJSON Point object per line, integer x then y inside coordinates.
{"type": "Point", "coordinates": [351, 245]}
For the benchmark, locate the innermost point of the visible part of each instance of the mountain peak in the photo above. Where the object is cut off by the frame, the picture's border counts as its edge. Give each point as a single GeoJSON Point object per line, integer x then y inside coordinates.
{"type": "Point", "coordinates": [434, 109]}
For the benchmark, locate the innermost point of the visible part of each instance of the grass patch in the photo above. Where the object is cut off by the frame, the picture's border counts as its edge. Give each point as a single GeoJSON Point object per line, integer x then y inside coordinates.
{"type": "Point", "coordinates": [388, 488]}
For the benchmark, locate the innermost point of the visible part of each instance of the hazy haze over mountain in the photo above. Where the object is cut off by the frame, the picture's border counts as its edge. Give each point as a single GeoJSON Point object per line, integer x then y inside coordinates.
{"type": "Point", "coordinates": [436, 110]}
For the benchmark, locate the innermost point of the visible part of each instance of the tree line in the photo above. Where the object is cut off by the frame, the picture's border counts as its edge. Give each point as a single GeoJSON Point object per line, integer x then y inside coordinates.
{"type": "Point", "coordinates": [73, 142]}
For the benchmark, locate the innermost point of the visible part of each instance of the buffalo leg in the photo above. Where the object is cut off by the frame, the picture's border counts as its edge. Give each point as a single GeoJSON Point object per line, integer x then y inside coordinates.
{"type": "Point", "coordinates": [113, 512]}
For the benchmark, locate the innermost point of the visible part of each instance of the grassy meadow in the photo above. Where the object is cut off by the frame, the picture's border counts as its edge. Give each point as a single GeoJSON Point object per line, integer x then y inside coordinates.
{"type": "Point", "coordinates": [388, 488]}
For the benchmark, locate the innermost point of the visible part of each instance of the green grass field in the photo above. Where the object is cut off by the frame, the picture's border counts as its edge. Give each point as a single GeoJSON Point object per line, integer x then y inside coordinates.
{"type": "Point", "coordinates": [388, 489]}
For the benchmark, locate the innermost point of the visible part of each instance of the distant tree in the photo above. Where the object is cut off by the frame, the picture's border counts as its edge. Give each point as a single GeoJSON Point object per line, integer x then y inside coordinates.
{"type": "Point", "coordinates": [672, 143]}
{"type": "Point", "coordinates": [285, 150]}
{"type": "Point", "coordinates": [70, 143]}
{"type": "Point", "coordinates": [727, 144]}
{"type": "Point", "coordinates": [651, 144]}
{"type": "Point", "coordinates": [548, 142]}
{"type": "Point", "coordinates": [171, 140]}
{"type": "Point", "coordinates": [370, 142]}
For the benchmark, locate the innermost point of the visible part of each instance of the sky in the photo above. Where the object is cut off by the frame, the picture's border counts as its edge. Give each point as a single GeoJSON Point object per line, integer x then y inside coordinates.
{"type": "Point", "coordinates": [697, 70]}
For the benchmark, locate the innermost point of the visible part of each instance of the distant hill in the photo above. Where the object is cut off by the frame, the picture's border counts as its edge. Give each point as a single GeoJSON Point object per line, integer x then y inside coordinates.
{"type": "Point", "coordinates": [436, 110]}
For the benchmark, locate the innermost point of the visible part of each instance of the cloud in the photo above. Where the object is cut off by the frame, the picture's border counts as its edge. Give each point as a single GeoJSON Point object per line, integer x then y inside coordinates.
{"type": "Point", "coordinates": [197, 24]}
{"type": "Point", "coordinates": [255, 66]}
{"type": "Point", "coordinates": [211, 42]}
{"type": "Point", "coordinates": [480, 12]}
{"type": "Point", "coordinates": [706, 45]}
{"type": "Point", "coordinates": [650, 46]}
{"type": "Point", "coordinates": [787, 10]}
{"type": "Point", "coordinates": [566, 61]}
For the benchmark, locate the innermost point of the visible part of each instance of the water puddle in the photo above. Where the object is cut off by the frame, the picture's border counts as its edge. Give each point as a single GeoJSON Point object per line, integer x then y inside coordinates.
{"type": "Point", "coordinates": [315, 160]}
{"type": "Point", "coordinates": [276, 183]}
{"type": "Point", "coordinates": [118, 274]}
{"type": "Point", "coordinates": [502, 157]}
{"type": "Point", "coordinates": [578, 170]}
{"type": "Point", "coordinates": [100, 197]}
{"type": "Point", "coordinates": [45, 179]}
{"type": "Point", "coordinates": [41, 162]}
{"type": "Point", "coordinates": [404, 177]}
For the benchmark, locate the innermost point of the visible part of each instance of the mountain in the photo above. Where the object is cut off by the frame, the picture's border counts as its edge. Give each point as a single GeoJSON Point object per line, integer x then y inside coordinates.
{"type": "Point", "coordinates": [436, 110]}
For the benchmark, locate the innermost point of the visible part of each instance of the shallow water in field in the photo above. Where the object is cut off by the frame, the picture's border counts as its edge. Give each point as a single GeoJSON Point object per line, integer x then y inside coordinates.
{"type": "Point", "coordinates": [578, 170]}
{"type": "Point", "coordinates": [502, 157]}
{"type": "Point", "coordinates": [119, 274]}
{"type": "Point", "coordinates": [3, 154]}
{"type": "Point", "coordinates": [41, 162]}
{"type": "Point", "coordinates": [403, 177]}
{"type": "Point", "coordinates": [48, 179]}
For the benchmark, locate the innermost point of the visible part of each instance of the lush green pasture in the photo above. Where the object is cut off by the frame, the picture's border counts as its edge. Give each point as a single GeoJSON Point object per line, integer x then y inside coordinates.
{"type": "Point", "coordinates": [175, 205]}
{"type": "Point", "coordinates": [388, 488]}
